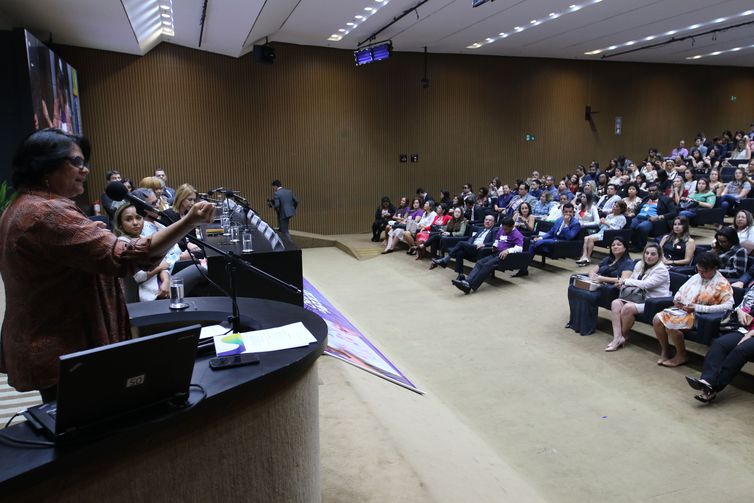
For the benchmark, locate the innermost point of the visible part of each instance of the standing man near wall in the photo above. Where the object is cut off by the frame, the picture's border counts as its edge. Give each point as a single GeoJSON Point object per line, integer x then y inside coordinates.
{"type": "Point", "coordinates": [285, 205]}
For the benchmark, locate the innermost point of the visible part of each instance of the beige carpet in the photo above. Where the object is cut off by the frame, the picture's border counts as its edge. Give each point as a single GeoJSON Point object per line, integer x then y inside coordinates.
{"type": "Point", "coordinates": [517, 407]}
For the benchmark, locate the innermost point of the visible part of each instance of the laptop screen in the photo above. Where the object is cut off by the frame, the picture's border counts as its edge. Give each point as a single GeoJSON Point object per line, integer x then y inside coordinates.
{"type": "Point", "coordinates": [100, 384]}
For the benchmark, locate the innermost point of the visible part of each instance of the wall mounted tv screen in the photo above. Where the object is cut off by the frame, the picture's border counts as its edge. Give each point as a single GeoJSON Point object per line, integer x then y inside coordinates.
{"type": "Point", "coordinates": [54, 88]}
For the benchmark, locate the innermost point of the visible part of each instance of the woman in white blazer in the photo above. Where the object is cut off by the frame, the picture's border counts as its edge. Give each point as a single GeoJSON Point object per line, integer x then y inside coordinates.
{"type": "Point", "coordinates": [652, 276]}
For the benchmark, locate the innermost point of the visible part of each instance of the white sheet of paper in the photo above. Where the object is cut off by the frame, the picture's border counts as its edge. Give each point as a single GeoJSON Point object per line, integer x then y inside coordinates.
{"type": "Point", "coordinates": [212, 330]}
{"type": "Point", "coordinates": [294, 335]}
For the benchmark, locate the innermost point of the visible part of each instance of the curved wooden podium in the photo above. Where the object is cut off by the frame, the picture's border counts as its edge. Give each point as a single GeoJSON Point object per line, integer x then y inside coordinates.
{"type": "Point", "coordinates": [255, 437]}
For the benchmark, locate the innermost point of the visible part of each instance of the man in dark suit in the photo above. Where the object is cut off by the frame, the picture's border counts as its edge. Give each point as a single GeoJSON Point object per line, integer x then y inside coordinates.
{"type": "Point", "coordinates": [285, 205]}
{"type": "Point", "coordinates": [168, 192]}
{"type": "Point", "coordinates": [566, 228]}
{"type": "Point", "coordinates": [480, 238]}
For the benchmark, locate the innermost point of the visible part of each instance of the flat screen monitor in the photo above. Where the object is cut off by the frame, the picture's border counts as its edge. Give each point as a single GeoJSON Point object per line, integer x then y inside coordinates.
{"type": "Point", "coordinates": [54, 88]}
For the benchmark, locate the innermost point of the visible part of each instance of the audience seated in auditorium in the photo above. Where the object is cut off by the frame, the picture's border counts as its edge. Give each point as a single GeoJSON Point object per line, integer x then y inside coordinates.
{"type": "Point", "coordinates": [583, 304]}
{"type": "Point", "coordinates": [399, 217]}
{"type": "Point", "coordinates": [702, 197]}
{"type": "Point", "coordinates": [382, 216]}
{"type": "Point", "coordinates": [566, 228]}
{"type": "Point", "coordinates": [427, 217]}
{"type": "Point", "coordinates": [469, 248]}
{"type": "Point", "coordinates": [655, 207]}
{"type": "Point", "coordinates": [680, 150]}
{"type": "Point", "coordinates": [733, 258]}
{"type": "Point", "coordinates": [587, 213]}
{"type": "Point", "coordinates": [434, 229]}
{"type": "Point", "coordinates": [734, 192]}
{"type": "Point", "coordinates": [183, 200]}
{"type": "Point", "coordinates": [524, 219]}
{"type": "Point", "coordinates": [606, 201]}
{"type": "Point", "coordinates": [743, 223]}
{"type": "Point", "coordinates": [707, 291]}
{"type": "Point", "coordinates": [728, 353]}
{"type": "Point", "coordinates": [715, 184]}
{"type": "Point", "coordinates": [632, 199]}
{"type": "Point", "coordinates": [614, 221]}
{"type": "Point", "coordinates": [507, 240]}
{"type": "Point", "coordinates": [541, 209]}
{"type": "Point", "coordinates": [678, 247]}
{"type": "Point", "coordinates": [409, 224]}
{"type": "Point", "coordinates": [157, 186]}
{"type": "Point", "coordinates": [648, 280]}
{"type": "Point", "coordinates": [455, 227]}
{"type": "Point", "coordinates": [107, 205]}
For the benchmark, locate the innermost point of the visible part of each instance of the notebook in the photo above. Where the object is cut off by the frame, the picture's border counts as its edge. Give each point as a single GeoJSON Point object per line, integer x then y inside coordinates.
{"type": "Point", "coordinates": [101, 384]}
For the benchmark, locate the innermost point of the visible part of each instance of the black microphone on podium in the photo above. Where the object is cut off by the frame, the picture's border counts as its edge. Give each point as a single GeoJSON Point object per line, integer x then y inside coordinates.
{"type": "Point", "coordinates": [117, 191]}
{"type": "Point", "coordinates": [212, 191]}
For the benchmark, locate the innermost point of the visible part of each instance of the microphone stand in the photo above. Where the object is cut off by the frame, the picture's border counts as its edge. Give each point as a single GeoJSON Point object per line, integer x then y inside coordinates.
{"type": "Point", "coordinates": [232, 262]}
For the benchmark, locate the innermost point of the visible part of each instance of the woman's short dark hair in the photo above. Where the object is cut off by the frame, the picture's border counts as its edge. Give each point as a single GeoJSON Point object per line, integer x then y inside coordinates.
{"type": "Point", "coordinates": [624, 242]}
{"type": "Point", "coordinates": [431, 205]}
{"type": "Point", "coordinates": [41, 153]}
{"type": "Point", "coordinates": [385, 199]}
{"type": "Point", "coordinates": [708, 260]}
{"type": "Point", "coordinates": [729, 233]}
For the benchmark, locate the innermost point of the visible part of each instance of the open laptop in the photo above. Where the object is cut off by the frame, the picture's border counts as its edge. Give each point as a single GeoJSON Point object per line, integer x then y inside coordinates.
{"type": "Point", "coordinates": [101, 384]}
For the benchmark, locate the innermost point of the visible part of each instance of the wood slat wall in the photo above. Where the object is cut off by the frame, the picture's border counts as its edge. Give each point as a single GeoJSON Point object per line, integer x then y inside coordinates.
{"type": "Point", "coordinates": [334, 132]}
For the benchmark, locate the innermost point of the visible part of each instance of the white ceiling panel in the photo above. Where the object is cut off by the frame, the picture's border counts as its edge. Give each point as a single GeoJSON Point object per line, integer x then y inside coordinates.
{"type": "Point", "coordinates": [444, 26]}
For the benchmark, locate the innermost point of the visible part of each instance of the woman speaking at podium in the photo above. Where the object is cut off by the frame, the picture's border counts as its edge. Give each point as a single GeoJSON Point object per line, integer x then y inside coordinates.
{"type": "Point", "coordinates": [60, 269]}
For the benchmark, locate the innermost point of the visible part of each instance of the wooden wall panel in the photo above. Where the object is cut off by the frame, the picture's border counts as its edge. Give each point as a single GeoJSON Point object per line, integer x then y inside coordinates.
{"type": "Point", "coordinates": [334, 132]}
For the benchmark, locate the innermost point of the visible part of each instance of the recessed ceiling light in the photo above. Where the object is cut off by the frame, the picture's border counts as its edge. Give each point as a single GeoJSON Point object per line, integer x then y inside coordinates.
{"type": "Point", "coordinates": [717, 53]}
{"type": "Point", "coordinates": [680, 30]}
{"type": "Point", "coordinates": [359, 18]}
{"type": "Point", "coordinates": [165, 7]}
{"type": "Point", "coordinates": [166, 15]}
{"type": "Point", "coordinates": [536, 22]}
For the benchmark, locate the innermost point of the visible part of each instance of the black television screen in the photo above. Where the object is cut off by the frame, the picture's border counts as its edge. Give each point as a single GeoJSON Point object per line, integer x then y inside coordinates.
{"type": "Point", "coordinates": [54, 88]}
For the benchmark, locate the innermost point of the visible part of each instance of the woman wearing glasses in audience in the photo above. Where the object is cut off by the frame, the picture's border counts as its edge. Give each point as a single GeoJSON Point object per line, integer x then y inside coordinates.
{"type": "Point", "coordinates": [64, 251]}
{"type": "Point", "coordinates": [651, 276]}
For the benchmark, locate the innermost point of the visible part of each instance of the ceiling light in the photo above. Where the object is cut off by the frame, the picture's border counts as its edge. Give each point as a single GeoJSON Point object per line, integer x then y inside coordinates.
{"type": "Point", "coordinates": [717, 53]}
{"type": "Point", "coordinates": [535, 22]}
{"type": "Point", "coordinates": [165, 7]}
{"type": "Point", "coordinates": [679, 30]}
{"type": "Point", "coordinates": [167, 16]}
{"type": "Point", "coordinates": [359, 18]}
{"type": "Point", "coordinates": [167, 23]}
{"type": "Point", "coordinates": [334, 37]}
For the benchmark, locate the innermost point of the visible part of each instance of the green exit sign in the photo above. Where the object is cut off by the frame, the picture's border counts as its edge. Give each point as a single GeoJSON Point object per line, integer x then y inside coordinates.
{"type": "Point", "coordinates": [529, 137]}
{"type": "Point", "coordinates": [732, 98]}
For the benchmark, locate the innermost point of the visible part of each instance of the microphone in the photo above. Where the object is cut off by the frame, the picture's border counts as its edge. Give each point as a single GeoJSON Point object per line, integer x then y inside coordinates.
{"type": "Point", "coordinates": [235, 195]}
{"type": "Point", "coordinates": [117, 191]}
{"type": "Point", "coordinates": [212, 191]}
{"type": "Point", "coordinates": [203, 195]}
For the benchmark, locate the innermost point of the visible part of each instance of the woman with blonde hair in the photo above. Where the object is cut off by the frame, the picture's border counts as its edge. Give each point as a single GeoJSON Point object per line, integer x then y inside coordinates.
{"type": "Point", "coordinates": [158, 186]}
{"type": "Point", "coordinates": [184, 200]}
{"type": "Point", "coordinates": [650, 277]}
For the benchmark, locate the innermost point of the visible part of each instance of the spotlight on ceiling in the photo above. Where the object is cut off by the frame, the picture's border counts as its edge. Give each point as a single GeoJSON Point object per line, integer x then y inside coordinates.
{"type": "Point", "coordinates": [373, 53]}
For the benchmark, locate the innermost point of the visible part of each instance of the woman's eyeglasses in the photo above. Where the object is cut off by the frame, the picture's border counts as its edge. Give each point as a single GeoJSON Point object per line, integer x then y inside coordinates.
{"type": "Point", "coordinates": [77, 161]}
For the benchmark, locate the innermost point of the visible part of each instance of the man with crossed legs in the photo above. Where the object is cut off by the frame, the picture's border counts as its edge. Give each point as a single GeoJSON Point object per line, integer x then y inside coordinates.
{"type": "Point", "coordinates": [508, 240]}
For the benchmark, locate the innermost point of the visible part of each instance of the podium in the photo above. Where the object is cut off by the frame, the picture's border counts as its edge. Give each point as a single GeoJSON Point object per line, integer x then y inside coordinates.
{"type": "Point", "coordinates": [255, 437]}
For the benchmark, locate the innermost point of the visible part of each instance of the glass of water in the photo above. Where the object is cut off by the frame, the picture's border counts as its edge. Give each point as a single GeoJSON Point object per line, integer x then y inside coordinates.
{"type": "Point", "coordinates": [225, 222]}
{"type": "Point", "coordinates": [246, 241]}
{"type": "Point", "coordinates": [235, 234]}
{"type": "Point", "coordinates": [176, 294]}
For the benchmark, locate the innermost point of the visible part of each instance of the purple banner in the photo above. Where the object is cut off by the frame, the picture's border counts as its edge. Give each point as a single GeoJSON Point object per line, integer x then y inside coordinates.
{"type": "Point", "coordinates": [345, 342]}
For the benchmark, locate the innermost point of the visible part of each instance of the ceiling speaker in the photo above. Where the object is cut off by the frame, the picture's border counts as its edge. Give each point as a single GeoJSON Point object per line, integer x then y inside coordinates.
{"type": "Point", "coordinates": [264, 54]}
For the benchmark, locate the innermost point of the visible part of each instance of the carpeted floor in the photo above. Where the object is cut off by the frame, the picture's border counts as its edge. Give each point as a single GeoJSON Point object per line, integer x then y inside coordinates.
{"type": "Point", "coordinates": [517, 407]}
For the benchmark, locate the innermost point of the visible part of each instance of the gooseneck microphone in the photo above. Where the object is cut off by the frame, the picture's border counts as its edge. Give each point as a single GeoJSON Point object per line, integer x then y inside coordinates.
{"type": "Point", "coordinates": [117, 191]}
